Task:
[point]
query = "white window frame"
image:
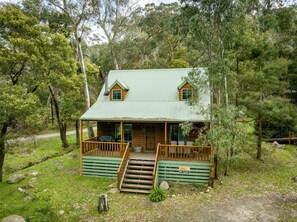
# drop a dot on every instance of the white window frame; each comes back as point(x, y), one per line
point(182, 94)
point(117, 91)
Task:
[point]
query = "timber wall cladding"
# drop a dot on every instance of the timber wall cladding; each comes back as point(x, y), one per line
point(100, 166)
point(139, 135)
point(185, 86)
point(170, 171)
point(116, 86)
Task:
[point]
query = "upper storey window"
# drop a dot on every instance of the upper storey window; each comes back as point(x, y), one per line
point(118, 91)
point(185, 91)
point(117, 94)
point(187, 94)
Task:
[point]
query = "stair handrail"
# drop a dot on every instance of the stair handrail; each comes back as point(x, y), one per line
point(156, 166)
point(123, 166)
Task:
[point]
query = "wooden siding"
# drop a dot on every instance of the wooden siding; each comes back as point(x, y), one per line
point(169, 171)
point(100, 166)
point(139, 134)
point(116, 86)
point(105, 129)
point(180, 91)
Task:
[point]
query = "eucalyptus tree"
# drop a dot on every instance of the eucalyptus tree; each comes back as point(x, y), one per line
point(113, 18)
point(79, 14)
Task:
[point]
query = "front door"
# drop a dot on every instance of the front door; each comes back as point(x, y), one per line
point(150, 137)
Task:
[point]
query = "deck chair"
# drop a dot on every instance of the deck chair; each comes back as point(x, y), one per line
point(187, 151)
point(172, 149)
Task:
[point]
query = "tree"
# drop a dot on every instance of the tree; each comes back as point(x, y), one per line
point(79, 13)
point(19, 36)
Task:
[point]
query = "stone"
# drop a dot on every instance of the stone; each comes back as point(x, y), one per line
point(56, 162)
point(60, 167)
point(274, 144)
point(27, 186)
point(173, 195)
point(33, 179)
point(15, 178)
point(294, 179)
point(164, 185)
point(21, 190)
point(72, 156)
point(27, 198)
point(13, 218)
point(61, 212)
point(34, 174)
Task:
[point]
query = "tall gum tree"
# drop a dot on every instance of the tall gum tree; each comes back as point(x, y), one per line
point(79, 13)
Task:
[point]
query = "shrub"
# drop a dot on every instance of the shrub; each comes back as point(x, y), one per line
point(157, 195)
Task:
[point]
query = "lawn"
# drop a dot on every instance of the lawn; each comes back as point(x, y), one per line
point(254, 191)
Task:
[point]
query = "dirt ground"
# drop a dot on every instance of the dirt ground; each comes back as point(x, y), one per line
point(271, 207)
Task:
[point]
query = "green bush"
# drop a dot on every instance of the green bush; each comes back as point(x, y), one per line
point(157, 195)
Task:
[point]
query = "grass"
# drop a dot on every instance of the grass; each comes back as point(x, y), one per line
point(19, 155)
point(59, 187)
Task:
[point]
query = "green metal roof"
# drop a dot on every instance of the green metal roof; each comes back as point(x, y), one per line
point(152, 97)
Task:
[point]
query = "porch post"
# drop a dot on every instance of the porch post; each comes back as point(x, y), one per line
point(166, 150)
point(121, 129)
point(81, 145)
point(98, 125)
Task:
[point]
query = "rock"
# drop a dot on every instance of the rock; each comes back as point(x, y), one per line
point(60, 167)
point(27, 198)
point(164, 185)
point(103, 203)
point(61, 212)
point(274, 144)
point(207, 190)
point(72, 156)
point(13, 218)
point(34, 174)
point(27, 186)
point(56, 162)
point(173, 195)
point(33, 179)
point(281, 146)
point(15, 178)
point(26, 152)
point(294, 179)
point(21, 190)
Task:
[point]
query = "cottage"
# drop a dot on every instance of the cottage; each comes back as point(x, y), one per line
point(139, 139)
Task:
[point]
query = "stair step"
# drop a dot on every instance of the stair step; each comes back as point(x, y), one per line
point(139, 176)
point(139, 172)
point(135, 191)
point(141, 162)
point(140, 167)
point(138, 181)
point(137, 186)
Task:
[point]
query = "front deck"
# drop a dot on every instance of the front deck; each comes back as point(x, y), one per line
point(183, 163)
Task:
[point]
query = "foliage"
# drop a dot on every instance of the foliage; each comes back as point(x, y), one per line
point(157, 195)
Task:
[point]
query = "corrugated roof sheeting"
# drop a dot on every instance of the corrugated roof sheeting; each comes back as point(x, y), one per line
point(153, 96)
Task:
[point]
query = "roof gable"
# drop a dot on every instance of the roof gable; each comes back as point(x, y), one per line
point(122, 85)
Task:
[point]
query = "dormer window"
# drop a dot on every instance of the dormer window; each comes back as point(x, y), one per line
point(185, 91)
point(117, 94)
point(187, 94)
point(118, 91)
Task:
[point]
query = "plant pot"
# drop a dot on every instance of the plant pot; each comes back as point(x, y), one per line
point(138, 149)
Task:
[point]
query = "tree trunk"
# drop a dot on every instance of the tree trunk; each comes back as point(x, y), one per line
point(83, 70)
point(216, 166)
point(2, 148)
point(77, 132)
point(62, 125)
point(227, 162)
point(259, 147)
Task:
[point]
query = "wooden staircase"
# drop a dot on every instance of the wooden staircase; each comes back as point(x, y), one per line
point(138, 176)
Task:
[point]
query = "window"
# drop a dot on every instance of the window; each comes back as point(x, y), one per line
point(116, 94)
point(127, 132)
point(186, 94)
